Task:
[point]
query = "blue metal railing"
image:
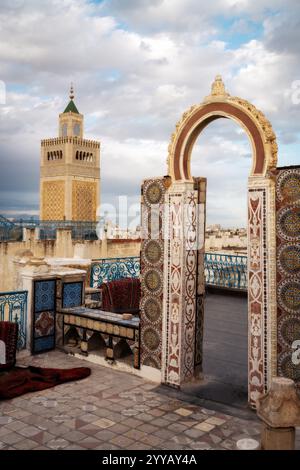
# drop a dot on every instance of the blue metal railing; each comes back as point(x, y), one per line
point(81, 230)
point(9, 230)
point(220, 270)
point(225, 270)
point(13, 307)
point(111, 269)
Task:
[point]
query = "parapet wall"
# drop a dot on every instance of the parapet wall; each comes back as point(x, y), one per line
point(62, 247)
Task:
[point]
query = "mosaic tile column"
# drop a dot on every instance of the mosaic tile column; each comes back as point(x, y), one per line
point(261, 286)
point(180, 284)
point(288, 271)
point(152, 270)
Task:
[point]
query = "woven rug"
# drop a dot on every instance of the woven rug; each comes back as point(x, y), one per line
point(121, 296)
point(19, 380)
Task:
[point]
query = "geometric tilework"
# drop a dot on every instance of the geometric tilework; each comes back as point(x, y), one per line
point(181, 285)
point(288, 270)
point(44, 316)
point(72, 294)
point(289, 259)
point(84, 200)
point(53, 200)
point(152, 250)
point(257, 293)
point(44, 324)
point(44, 295)
point(44, 344)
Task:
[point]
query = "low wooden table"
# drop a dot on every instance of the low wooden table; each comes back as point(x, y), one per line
point(108, 323)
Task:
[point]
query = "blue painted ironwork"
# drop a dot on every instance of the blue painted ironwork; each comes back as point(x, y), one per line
point(225, 270)
point(13, 230)
point(220, 270)
point(13, 307)
point(81, 230)
point(111, 269)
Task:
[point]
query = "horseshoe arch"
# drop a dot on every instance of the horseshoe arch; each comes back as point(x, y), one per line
point(181, 269)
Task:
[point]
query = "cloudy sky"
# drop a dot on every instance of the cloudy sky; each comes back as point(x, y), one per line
point(137, 65)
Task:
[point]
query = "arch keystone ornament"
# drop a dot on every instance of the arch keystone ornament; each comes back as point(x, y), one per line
point(219, 104)
point(181, 234)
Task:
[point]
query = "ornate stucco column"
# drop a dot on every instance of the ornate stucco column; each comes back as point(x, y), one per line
point(180, 286)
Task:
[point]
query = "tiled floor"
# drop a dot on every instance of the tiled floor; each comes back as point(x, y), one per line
point(113, 410)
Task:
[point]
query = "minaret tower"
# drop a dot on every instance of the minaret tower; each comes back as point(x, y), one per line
point(70, 171)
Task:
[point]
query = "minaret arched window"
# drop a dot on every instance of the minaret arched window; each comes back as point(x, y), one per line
point(76, 130)
point(64, 130)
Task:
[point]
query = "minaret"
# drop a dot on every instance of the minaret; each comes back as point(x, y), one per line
point(70, 171)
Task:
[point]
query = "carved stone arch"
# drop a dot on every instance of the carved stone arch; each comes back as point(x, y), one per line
point(221, 105)
point(179, 351)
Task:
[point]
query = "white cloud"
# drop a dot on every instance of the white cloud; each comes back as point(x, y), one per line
point(137, 66)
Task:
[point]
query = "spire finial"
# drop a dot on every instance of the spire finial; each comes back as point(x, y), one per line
point(218, 87)
point(72, 91)
point(218, 90)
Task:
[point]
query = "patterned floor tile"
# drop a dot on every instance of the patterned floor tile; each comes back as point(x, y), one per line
point(132, 415)
point(204, 426)
point(122, 441)
point(11, 438)
point(103, 423)
point(215, 421)
point(183, 412)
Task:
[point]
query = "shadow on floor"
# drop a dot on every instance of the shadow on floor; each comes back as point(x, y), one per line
point(225, 351)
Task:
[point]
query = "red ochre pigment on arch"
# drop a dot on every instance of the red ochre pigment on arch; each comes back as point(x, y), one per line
point(209, 108)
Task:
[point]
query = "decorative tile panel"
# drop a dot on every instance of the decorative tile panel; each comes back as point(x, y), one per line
point(256, 293)
point(152, 265)
point(288, 271)
point(44, 323)
point(44, 315)
point(53, 200)
point(72, 294)
point(44, 344)
point(262, 321)
point(84, 200)
point(180, 285)
point(44, 295)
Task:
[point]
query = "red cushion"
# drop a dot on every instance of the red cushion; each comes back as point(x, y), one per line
point(122, 296)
